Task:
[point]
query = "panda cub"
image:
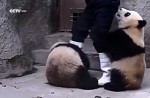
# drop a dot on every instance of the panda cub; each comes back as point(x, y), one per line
point(126, 50)
point(67, 66)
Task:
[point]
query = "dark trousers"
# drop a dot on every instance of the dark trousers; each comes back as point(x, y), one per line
point(96, 18)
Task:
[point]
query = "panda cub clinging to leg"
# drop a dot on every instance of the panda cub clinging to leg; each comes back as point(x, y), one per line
point(126, 50)
point(67, 66)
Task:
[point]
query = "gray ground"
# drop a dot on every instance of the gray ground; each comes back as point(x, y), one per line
point(34, 86)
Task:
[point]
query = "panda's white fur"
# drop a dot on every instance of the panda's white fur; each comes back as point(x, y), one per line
point(67, 66)
point(125, 48)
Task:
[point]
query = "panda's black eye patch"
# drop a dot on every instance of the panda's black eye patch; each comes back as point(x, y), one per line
point(127, 14)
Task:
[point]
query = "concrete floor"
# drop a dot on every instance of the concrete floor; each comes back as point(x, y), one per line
point(34, 86)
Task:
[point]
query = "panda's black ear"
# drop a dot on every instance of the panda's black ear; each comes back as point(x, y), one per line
point(141, 24)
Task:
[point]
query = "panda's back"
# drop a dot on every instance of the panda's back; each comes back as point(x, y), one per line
point(65, 55)
point(62, 64)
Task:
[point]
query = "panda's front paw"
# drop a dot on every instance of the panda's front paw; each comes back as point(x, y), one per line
point(112, 87)
point(108, 86)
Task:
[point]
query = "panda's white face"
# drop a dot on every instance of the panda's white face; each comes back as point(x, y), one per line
point(127, 18)
point(132, 24)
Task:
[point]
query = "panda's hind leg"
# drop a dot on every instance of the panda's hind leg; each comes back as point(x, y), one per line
point(84, 80)
point(117, 81)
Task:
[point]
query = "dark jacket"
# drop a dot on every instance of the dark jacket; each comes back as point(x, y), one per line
point(102, 3)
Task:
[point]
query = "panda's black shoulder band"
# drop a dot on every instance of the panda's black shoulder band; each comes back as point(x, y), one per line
point(82, 55)
point(68, 45)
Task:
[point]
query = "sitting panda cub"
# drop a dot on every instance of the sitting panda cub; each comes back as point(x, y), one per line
point(67, 66)
point(126, 50)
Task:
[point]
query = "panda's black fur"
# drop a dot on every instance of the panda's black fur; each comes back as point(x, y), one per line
point(119, 45)
point(74, 76)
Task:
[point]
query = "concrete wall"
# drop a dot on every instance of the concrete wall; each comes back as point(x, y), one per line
point(143, 7)
point(12, 58)
point(20, 33)
point(34, 24)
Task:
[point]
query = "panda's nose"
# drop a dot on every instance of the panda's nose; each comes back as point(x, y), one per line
point(120, 9)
